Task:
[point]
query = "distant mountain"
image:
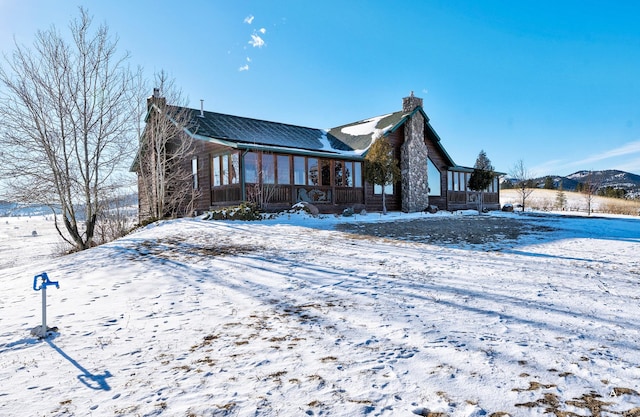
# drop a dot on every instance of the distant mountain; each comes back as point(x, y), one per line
point(128, 203)
point(607, 178)
point(8, 209)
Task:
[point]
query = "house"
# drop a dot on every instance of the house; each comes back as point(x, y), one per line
point(242, 159)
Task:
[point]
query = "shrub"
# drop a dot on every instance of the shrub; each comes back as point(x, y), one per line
point(245, 211)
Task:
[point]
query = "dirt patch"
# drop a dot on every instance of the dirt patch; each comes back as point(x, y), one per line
point(450, 230)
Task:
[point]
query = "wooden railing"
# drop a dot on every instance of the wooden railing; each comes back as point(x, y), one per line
point(349, 196)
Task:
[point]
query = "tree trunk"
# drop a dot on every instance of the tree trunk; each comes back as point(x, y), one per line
point(384, 202)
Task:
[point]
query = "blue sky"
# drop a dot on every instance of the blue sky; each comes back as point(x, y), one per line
point(554, 83)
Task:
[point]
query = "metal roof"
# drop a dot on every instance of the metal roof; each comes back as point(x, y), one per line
point(262, 133)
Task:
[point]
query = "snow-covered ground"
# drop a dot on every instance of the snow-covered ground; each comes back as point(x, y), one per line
point(288, 317)
point(25, 239)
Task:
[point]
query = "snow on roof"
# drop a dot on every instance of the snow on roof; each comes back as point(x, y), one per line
point(366, 127)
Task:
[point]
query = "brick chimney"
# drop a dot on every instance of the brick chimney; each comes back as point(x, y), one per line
point(157, 99)
point(413, 158)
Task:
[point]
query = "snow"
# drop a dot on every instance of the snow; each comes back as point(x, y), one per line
point(366, 127)
point(326, 145)
point(289, 317)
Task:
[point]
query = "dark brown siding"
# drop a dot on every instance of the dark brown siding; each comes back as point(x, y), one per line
point(440, 161)
point(143, 202)
point(203, 201)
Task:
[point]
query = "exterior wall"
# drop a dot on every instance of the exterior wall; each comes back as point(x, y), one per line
point(413, 159)
point(143, 202)
point(440, 161)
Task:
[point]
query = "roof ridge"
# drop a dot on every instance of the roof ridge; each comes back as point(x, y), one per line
point(247, 118)
point(365, 120)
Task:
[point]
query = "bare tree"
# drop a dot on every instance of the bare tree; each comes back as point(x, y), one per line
point(589, 189)
point(167, 184)
point(524, 181)
point(264, 190)
point(66, 124)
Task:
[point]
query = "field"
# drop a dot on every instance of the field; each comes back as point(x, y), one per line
point(546, 200)
point(370, 315)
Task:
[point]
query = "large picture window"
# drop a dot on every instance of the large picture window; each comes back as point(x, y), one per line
point(225, 170)
point(215, 164)
point(357, 174)
point(325, 170)
point(313, 174)
point(388, 189)
point(433, 178)
point(284, 176)
point(251, 167)
point(235, 168)
point(194, 172)
point(268, 169)
point(299, 171)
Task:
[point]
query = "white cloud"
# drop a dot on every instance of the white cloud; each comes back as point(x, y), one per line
point(628, 149)
point(626, 161)
point(249, 19)
point(256, 41)
point(632, 166)
point(262, 30)
point(245, 67)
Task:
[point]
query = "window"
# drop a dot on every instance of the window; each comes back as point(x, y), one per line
point(225, 170)
point(388, 189)
point(450, 181)
point(357, 174)
point(347, 175)
point(312, 172)
point(283, 169)
point(433, 178)
point(343, 174)
point(268, 169)
point(299, 171)
point(337, 175)
point(325, 169)
point(215, 164)
point(194, 172)
point(456, 181)
point(235, 168)
point(251, 167)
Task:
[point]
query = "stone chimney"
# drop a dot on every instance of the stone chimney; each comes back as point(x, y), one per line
point(413, 159)
point(410, 103)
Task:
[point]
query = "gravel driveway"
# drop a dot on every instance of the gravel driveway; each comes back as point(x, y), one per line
point(450, 230)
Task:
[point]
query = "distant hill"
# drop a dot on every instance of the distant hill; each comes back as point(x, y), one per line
point(606, 178)
point(127, 202)
point(9, 209)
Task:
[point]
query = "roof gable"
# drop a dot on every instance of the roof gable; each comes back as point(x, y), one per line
point(360, 135)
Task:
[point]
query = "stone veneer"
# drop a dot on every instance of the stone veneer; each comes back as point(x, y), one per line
point(413, 159)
